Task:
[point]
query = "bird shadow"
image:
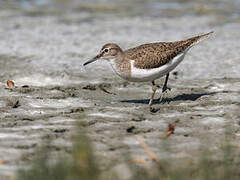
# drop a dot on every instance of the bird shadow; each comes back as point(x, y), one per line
point(182, 97)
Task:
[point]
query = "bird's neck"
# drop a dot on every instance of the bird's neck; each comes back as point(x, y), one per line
point(121, 65)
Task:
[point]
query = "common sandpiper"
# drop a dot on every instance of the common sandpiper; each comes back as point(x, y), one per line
point(147, 62)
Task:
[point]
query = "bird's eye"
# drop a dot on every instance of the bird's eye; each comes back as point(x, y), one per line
point(105, 50)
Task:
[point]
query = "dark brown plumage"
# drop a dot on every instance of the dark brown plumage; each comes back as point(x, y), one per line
point(154, 55)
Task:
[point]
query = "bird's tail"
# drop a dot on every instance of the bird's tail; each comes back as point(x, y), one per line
point(197, 39)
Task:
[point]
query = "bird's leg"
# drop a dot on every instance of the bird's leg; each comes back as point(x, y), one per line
point(154, 88)
point(165, 88)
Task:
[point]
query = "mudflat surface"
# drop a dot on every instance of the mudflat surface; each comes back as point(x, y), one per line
point(46, 50)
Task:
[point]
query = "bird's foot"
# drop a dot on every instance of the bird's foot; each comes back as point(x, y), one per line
point(164, 91)
point(153, 110)
point(165, 88)
point(150, 103)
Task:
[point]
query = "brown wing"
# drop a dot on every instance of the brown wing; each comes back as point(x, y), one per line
point(154, 55)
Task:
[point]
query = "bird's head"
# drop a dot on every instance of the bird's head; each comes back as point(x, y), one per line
point(108, 51)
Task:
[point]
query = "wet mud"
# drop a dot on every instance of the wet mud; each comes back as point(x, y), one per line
point(43, 55)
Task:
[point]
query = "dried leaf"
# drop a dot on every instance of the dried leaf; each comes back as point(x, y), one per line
point(1, 161)
point(10, 83)
point(170, 130)
point(140, 160)
point(237, 134)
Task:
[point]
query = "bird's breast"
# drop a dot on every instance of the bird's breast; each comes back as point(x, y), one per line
point(121, 68)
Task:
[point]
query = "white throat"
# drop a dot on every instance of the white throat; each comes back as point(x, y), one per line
point(111, 59)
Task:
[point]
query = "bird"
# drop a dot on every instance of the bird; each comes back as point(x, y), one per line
point(147, 62)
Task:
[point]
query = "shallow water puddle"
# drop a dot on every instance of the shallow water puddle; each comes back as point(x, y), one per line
point(11, 135)
point(107, 115)
point(213, 121)
point(57, 120)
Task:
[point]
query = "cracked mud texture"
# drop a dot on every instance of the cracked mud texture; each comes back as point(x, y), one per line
point(46, 50)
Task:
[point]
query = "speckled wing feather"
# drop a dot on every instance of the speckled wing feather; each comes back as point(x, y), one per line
point(154, 55)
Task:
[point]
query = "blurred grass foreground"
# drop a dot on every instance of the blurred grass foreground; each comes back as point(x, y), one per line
point(82, 165)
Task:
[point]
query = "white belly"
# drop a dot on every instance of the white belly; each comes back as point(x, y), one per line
point(141, 75)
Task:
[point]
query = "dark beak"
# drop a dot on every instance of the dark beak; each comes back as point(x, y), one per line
point(93, 59)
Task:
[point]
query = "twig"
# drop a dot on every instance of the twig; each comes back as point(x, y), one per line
point(104, 90)
point(151, 154)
